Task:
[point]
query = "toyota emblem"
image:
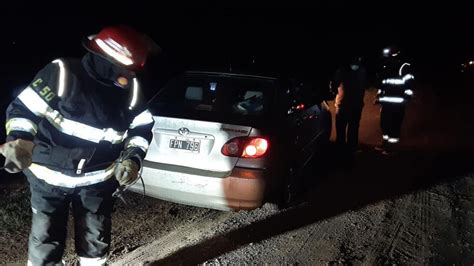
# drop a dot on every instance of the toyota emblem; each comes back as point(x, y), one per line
point(183, 131)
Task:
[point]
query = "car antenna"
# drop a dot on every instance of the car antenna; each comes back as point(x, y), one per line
point(229, 60)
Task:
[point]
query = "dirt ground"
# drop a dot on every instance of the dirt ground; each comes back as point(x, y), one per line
point(413, 207)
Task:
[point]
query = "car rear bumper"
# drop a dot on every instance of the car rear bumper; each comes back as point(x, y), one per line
point(242, 189)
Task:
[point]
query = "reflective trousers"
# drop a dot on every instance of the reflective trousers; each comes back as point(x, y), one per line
point(391, 118)
point(91, 208)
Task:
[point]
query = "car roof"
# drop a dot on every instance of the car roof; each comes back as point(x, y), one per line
point(229, 74)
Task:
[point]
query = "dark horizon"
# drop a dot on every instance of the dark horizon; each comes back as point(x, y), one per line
point(306, 42)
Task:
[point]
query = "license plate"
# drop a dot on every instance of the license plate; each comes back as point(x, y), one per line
point(186, 145)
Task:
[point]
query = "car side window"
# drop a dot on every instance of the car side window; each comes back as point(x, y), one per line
point(291, 98)
point(310, 94)
point(304, 95)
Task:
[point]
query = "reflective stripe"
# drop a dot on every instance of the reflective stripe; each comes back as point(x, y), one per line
point(398, 81)
point(80, 165)
point(40, 108)
point(393, 81)
point(115, 50)
point(409, 92)
point(29, 263)
point(144, 118)
point(385, 137)
point(135, 94)
point(379, 91)
point(62, 76)
point(33, 102)
point(137, 142)
point(21, 124)
point(400, 71)
point(393, 140)
point(391, 99)
point(92, 261)
point(58, 179)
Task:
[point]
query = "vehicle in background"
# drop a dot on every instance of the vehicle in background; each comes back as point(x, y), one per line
point(467, 66)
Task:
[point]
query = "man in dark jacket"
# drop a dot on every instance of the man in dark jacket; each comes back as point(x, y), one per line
point(68, 130)
point(351, 82)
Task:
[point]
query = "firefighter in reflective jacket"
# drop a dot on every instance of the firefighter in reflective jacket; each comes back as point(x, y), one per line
point(395, 90)
point(66, 131)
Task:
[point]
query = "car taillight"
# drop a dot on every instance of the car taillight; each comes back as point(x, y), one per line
point(255, 148)
point(245, 147)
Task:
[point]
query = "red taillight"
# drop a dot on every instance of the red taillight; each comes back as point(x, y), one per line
point(245, 147)
point(300, 106)
point(233, 148)
point(255, 148)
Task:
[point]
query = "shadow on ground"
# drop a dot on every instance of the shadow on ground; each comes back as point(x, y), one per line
point(373, 178)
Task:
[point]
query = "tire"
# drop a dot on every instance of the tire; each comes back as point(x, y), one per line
point(281, 195)
point(292, 191)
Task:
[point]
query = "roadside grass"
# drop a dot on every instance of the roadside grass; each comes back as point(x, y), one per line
point(15, 214)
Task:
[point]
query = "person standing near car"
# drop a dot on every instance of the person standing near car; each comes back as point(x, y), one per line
point(351, 82)
point(79, 131)
point(395, 91)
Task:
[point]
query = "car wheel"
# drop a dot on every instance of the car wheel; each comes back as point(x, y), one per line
point(271, 206)
point(282, 195)
point(293, 187)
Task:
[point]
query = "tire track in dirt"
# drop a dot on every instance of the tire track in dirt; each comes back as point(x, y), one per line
point(388, 234)
point(411, 244)
point(454, 241)
point(284, 248)
point(424, 222)
point(405, 235)
point(399, 231)
point(360, 233)
point(333, 241)
point(318, 234)
point(292, 245)
point(414, 244)
point(178, 238)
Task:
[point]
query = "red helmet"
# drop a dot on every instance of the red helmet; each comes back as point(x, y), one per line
point(121, 45)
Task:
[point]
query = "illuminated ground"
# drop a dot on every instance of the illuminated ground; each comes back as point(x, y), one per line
point(414, 207)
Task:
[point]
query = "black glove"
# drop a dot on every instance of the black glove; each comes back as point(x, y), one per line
point(126, 172)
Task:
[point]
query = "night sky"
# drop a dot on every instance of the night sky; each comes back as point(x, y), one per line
point(303, 42)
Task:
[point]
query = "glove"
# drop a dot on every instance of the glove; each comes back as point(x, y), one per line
point(126, 172)
point(18, 155)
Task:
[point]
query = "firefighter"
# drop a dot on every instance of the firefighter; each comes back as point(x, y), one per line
point(395, 91)
point(79, 131)
point(351, 82)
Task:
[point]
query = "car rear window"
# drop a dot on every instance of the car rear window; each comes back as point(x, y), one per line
point(215, 97)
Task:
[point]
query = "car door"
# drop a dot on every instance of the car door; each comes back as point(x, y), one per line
point(309, 119)
point(295, 115)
